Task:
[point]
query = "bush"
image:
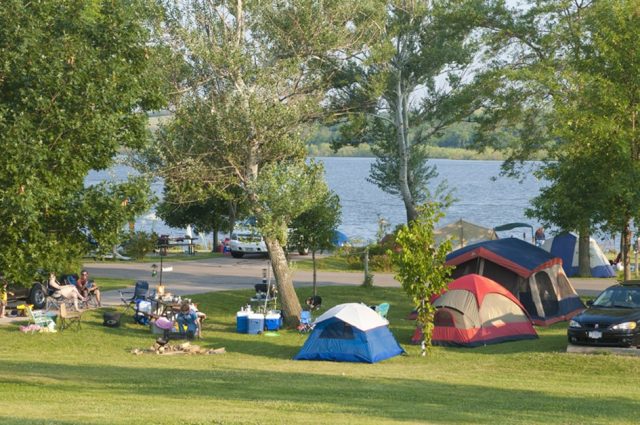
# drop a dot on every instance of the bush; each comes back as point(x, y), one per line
point(380, 263)
point(140, 244)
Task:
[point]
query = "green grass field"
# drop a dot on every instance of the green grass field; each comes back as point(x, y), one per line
point(90, 376)
point(108, 284)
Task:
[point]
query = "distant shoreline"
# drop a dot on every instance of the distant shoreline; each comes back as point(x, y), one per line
point(364, 151)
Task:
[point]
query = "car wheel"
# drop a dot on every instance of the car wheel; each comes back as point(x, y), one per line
point(236, 254)
point(37, 296)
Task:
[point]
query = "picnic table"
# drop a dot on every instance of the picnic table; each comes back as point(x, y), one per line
point(166, 241)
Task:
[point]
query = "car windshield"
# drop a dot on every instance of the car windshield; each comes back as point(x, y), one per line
point(246, 237)
point(619, 297)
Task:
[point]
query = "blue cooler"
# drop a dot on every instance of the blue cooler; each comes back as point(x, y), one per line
point(272, 321)
point(256, 323)
point(242, 322)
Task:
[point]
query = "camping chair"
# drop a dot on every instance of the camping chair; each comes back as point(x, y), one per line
point(69, 318)
point(264, 292)
point(314, 302)
point(383, 309)
point(306, 321)
point(55, 298)
point(39, 317)
point(139, 293)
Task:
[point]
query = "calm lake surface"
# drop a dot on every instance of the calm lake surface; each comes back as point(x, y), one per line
point(483, 197)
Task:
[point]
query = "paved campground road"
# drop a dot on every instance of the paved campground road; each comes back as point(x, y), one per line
point(217, 274)
point(227, 273)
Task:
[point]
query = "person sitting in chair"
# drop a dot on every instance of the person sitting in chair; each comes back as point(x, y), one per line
point(88, 287)
point(66, 291)
point(187, 318)
point(314, 302)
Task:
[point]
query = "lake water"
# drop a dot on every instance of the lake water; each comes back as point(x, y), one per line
point(483, 197)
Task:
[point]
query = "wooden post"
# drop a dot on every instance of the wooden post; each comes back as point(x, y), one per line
point(635, 268)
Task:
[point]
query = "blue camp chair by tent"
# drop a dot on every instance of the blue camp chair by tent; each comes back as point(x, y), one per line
point(383, 309)
point(132, 298)
point(306, 321)
point(350, 333)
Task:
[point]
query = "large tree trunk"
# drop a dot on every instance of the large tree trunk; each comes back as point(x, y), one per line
point(215, 238)
point(584, 258)
point(403, 151)
point(625, 247)
point(284, 280)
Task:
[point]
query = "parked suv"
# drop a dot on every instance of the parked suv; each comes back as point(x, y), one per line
point(35, 294)
point(246, 242)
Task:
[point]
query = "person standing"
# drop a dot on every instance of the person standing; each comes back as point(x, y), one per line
point(540, 237)
point(4, 296)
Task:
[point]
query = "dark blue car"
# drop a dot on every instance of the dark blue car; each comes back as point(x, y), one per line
point(611, 319)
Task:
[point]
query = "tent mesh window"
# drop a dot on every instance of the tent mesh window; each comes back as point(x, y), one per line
point(468, 267)
point(443, 318)
point(501, 275)
point(548, 296)
point(338, 330)
point(564, 286)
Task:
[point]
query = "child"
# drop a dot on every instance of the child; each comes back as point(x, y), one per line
point(187, 319)
point(3, 297)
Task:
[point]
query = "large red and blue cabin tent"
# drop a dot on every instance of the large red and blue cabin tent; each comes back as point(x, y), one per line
point(531, 274)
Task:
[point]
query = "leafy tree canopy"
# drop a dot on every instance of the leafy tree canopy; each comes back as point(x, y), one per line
point(75, 78)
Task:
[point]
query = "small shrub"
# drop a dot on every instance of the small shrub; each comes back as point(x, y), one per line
point(140, 244)
point(380, 263)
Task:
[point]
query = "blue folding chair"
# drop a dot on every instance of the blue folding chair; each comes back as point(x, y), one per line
point(132, 298)
point(306, 321)
point(383, 309)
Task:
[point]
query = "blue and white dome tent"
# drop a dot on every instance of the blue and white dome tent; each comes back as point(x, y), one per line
point(565, 246)
point(350, 332)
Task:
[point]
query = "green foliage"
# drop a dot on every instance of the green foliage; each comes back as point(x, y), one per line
point(314, 229)
point(420, 264)
point(140, 244)
point(109, 206)
point(75, 79)
point(421, 43)
point(253, 77)
point(210, 212)
point(286, 191)
point(571, 95)
point(381, 263)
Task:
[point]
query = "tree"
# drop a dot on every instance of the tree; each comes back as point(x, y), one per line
point(315, 228)
point(578, 60)
point(253, 77)
point(75, 79)
point(209, 214)
point(420, 264)
point(109, 206)
point(413, 83)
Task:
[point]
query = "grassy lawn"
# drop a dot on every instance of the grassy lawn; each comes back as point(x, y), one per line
point(109, 284)
point(331, 263)
point(90, 377)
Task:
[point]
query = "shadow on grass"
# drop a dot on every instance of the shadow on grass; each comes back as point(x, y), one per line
point(398, 398)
